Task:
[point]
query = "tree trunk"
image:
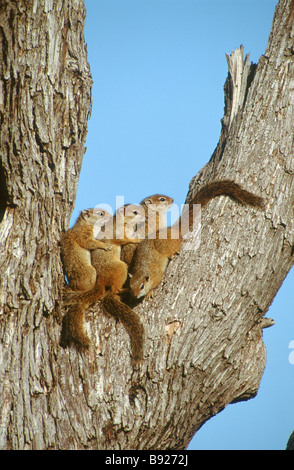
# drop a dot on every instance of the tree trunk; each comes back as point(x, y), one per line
point(290, 443)
point(203, 328)
point(45, 98)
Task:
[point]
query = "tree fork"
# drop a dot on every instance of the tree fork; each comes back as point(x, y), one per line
point(203, 327)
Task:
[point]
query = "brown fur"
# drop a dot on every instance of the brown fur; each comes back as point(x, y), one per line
point(152, 256)
point(76, 246)
point(154, 208)
point(111, 274)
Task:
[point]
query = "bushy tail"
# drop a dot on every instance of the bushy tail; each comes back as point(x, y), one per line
point(227, 188)
point(222, 188)
point(78, 302)
point(131, 321)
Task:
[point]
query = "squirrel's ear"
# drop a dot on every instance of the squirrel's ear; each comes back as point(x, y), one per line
point(147, 277)
point(148, 202)
point(121, 210)
point(86, 213)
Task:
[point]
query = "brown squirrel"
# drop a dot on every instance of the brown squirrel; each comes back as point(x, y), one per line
point(76, 246)
point(154, 209)
point(111, 273)
point(152, 255)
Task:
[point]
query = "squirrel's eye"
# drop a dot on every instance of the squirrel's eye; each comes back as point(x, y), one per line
point(136, 212)
point(162, 199)
point(142, 286)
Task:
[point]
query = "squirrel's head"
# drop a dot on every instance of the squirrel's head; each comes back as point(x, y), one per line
point(94, 216)
point(140, 285)
point(131, 214)
point(157, 202)
point(130, 221)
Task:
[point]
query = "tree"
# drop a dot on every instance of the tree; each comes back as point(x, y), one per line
point(203, 328)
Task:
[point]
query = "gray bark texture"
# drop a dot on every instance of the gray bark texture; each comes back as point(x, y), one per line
point(290, 443)
point(203, 328)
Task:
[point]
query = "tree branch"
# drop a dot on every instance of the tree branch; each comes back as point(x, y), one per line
point(203, 328)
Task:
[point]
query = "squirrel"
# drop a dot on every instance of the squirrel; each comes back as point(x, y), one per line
point(76, 246)
point(154, 209)
point(152, 255)
point(111, 273)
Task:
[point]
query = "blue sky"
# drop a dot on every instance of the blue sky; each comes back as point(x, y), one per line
point(159, 68)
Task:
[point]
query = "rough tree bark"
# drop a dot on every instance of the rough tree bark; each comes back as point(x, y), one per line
point(203, 328)
point(45, 98)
